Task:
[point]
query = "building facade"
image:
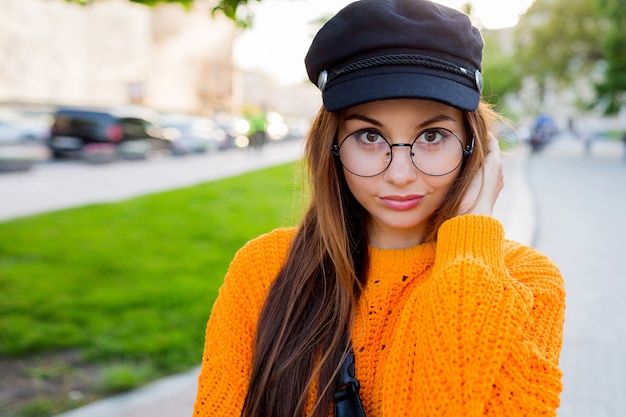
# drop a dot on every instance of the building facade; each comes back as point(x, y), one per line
point(115, 52)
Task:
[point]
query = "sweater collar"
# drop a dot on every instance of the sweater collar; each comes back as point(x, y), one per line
point(388, 266)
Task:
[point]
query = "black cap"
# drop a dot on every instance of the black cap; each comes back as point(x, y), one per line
point(383, 49)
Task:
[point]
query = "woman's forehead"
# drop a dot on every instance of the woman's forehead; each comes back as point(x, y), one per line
point(415, 110)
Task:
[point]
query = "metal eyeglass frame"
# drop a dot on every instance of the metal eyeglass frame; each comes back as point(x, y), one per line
point(467, 151)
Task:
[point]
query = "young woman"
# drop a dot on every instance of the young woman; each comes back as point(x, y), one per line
point(397, 295)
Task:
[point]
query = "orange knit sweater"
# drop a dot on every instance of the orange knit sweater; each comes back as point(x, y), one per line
point(468, 326)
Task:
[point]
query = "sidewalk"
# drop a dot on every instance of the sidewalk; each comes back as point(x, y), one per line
point(174, 396)
point(515, 207)
point(59, 185)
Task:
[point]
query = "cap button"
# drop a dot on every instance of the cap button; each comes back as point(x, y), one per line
point(479, 81)
point(322, 80)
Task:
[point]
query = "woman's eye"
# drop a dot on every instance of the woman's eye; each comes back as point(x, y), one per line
point(369, 136)
point(433, 135)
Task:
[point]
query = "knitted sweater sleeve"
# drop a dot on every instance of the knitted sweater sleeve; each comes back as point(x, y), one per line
point(482, 335)
point(226, 362)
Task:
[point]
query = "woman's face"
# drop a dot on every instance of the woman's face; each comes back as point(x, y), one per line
point(401, 198)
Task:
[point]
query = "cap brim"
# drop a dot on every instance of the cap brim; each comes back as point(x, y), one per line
point(351, 91)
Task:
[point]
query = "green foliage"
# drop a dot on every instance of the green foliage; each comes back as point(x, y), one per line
point(126, 376)
point(561, 39)
point(133, 282)
point(235, 10)
point(565, 40)
point(612, 89)
point(38, 408)
point(45, 407)
point(501, 72)
point(151, 3)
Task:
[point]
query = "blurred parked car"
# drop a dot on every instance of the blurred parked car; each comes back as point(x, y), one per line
point(236, 131)
point(126, 131)
point(12, 131)
point(192, 134)
point(21, 145)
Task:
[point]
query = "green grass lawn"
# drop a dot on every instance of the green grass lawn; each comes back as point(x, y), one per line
point(134, 282)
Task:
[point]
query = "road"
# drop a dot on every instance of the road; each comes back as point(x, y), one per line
point(581, 206)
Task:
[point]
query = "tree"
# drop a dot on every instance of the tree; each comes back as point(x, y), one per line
point(565, 40)
point(230, 8)
point(185, 3)
point(560, 40)
point(611, 90)
point(501, 72)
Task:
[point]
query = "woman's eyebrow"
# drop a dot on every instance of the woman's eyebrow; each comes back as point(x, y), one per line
point(428, 122)
point(436, 119)
point(363, 118)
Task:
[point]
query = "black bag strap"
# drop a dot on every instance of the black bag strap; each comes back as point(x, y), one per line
point(347, 400)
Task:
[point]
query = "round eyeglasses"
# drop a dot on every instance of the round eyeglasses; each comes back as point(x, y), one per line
point(435, 151)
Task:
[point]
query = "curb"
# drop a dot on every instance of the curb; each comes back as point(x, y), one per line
point(172, 396)
point(523, 209)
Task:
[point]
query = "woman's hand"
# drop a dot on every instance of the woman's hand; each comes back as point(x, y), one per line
point(475, 201)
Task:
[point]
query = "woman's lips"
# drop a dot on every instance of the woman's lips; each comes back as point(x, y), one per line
point(401, 203)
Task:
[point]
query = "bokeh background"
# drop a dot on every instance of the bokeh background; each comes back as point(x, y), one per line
point(114, 242)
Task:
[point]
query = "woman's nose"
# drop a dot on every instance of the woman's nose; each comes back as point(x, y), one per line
point(401, 170)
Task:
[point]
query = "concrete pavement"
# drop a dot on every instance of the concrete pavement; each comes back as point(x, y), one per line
point(581, 199)
point(59, 185)
point(38, 191)
point(515, 207)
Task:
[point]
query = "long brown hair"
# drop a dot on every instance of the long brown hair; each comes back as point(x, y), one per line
point(308, 313)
